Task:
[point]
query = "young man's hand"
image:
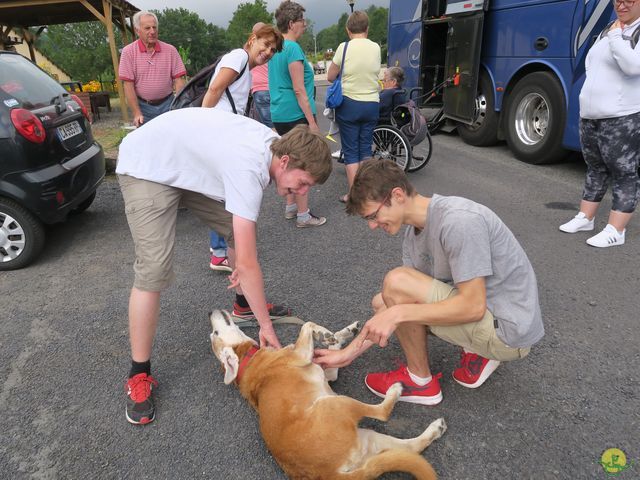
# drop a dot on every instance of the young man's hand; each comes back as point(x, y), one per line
point(268, 337)
point(378, 328)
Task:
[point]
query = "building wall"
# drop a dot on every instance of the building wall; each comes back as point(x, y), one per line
point(42, 61)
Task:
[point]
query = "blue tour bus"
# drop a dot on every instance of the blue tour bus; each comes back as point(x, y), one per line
point(515, 67)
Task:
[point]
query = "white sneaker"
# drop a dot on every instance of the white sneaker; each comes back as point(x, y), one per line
point(608, 237)
point(579, 223)
point(336, 154)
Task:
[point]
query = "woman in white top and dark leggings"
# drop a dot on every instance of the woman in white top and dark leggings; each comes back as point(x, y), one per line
point(610, 127)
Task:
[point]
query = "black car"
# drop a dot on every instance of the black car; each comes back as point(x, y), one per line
point(50, 165)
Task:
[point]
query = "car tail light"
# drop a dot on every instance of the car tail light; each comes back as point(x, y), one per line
point(28, 125)
point(85, 112)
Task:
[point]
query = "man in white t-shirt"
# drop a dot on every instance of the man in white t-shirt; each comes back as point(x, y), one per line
point(465, 279)
point(217, 164)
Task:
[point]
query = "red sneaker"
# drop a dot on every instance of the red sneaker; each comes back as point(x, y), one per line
point(220, 264)
point(275, 311)
point(474, 369)
point(429, 394)
point(140, 407)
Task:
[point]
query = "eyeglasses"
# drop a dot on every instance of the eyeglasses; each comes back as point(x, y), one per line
point(304, 22)
point(626, 3)
point(373, 217)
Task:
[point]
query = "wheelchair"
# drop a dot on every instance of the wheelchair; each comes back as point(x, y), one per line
point(394, 138)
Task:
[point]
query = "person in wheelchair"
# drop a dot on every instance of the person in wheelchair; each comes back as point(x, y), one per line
point(392, 93)
point(400, 126)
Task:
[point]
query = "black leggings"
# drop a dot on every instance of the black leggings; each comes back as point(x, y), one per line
point(611, 149)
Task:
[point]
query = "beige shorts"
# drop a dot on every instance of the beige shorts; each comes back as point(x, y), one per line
point(476, 337)
point(152, 210)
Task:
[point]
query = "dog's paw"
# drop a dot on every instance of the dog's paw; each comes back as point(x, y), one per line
point(437, 428)
point(328, 339)
point(395, 391)
point(347, 333)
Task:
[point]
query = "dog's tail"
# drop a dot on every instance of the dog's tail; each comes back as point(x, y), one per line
point(394, 461)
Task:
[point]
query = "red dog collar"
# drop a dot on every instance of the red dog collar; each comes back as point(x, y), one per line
point(245, 360)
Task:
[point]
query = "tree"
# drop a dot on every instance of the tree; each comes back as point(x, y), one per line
point(378, 19)
point(196, 39)
point(332, 36)
point(306, 40)
point(243, 20)
point(80, 49)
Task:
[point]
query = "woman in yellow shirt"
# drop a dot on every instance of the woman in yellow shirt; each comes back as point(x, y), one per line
point(358, 114)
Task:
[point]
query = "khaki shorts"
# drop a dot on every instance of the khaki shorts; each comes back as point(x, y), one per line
point(475, 337)
point(152, 210)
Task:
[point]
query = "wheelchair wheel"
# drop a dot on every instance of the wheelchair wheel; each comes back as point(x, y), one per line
point(389, 143)
point(418, 162)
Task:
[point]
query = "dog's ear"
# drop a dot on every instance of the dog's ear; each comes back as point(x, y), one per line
point(230, 362)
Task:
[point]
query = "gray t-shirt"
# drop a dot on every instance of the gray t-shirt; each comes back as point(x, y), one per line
point(464, 240)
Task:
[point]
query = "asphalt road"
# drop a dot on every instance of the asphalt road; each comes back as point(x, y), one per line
point(64, 345)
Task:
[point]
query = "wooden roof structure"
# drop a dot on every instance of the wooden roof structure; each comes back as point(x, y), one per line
point(20, 14)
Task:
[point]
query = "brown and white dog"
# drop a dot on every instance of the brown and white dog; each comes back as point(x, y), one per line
point(311, 431)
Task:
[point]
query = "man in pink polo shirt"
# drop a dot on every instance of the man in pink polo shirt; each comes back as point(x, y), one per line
point(150, 70)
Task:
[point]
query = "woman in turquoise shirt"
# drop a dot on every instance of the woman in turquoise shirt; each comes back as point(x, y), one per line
point(292, 101)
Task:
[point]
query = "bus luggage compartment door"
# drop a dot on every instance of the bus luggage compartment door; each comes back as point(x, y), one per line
point(462, 66)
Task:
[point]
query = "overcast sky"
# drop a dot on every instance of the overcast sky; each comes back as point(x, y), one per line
point(323, 13)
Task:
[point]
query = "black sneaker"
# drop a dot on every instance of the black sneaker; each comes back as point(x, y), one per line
point(275, 311)
point(140, 407)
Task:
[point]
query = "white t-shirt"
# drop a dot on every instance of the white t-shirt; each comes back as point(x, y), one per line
point(239, 90)
point(206, 150)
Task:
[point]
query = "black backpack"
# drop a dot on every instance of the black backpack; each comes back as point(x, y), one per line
point(632, 39)
point(193, 92)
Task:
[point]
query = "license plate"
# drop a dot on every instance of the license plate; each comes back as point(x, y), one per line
point(69, 130)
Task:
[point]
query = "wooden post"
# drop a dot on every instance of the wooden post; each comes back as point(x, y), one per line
point(125, 34)
point(4, 35)
point(29, 38)
point(106, 5)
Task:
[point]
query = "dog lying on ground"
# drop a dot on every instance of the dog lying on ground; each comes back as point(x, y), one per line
point(311, 431)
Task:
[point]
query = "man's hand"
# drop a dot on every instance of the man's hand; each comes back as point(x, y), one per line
point(332, 358)
point(234, 280)
point(378, 328)
point(268, 336)
point(138, 120)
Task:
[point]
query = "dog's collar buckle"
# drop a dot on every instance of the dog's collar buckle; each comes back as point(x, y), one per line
point(245, 360)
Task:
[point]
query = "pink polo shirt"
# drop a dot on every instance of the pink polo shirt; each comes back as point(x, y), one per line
point(260, 78)
point(152, 73)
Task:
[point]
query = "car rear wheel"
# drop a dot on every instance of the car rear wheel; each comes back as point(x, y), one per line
point(21, 236)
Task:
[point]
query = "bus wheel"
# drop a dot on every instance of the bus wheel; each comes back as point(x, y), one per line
point(536, 117)
point(483, 132)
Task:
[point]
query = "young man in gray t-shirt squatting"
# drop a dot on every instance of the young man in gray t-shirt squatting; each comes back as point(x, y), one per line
point(465, 278)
